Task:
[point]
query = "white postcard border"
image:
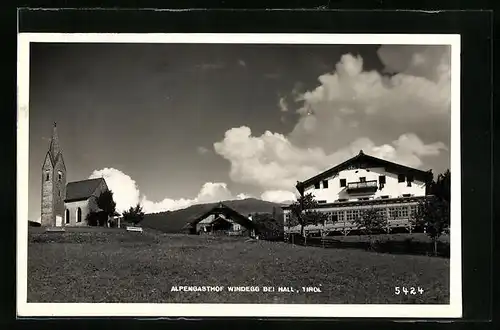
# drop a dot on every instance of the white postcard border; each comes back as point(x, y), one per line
point(25, 309)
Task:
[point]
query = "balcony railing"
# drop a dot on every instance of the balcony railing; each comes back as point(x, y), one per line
point(362, 185)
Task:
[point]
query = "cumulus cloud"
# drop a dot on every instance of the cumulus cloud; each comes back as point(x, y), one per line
point(125, 190)
point(283, 105)
point(350, 102)
point(126, 193)
point(202, 150)
point(278, 196)
point(402, 117)
point(272, 162)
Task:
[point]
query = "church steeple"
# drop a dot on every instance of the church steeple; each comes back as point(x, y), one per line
point(53, 184)
point(55, 147)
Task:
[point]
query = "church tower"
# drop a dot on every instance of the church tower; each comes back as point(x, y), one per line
point(53, 184)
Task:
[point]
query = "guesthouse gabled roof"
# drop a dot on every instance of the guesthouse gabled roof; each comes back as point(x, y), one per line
point(363, 160)
point(228, 212)
point(81, 190)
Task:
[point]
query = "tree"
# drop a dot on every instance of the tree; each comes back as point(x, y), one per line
point(441, 187)
point(371, 221)
point(106, 203)
point(433, 213)
point(92, 219)
point(303, 213)
point(268, 227)
point(134, 214)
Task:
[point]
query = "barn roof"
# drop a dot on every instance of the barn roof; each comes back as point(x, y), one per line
point(362, 160)
point(81, 190)
point(228, 212)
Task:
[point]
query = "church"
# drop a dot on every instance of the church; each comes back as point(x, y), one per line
point(66, 204)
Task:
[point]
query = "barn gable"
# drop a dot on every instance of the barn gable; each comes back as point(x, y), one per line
point(222, 211)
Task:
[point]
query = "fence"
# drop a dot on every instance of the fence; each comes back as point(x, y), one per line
point(409, 245)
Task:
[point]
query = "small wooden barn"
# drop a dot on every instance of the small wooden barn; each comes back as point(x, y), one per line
point(221, 220)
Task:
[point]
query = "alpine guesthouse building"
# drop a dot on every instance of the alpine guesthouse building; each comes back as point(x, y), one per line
point(359, 183)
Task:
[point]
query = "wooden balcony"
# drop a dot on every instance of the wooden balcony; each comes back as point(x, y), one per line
point(362, 186)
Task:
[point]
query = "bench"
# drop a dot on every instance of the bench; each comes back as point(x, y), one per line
point(136, 229)
point(55, 229)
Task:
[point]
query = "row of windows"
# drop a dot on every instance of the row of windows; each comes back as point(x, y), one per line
point(381, 181)
point(398, 212)
point(78, 215)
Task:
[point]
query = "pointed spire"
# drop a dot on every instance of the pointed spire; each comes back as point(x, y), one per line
point(54, 148)
point(361, 152)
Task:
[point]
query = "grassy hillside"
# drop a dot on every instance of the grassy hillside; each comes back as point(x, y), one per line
point(115, 266)
point(173, 221)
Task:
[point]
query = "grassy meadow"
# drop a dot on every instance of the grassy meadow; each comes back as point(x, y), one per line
point(117, 266)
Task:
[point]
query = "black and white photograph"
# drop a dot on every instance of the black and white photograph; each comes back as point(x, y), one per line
point(276, 174)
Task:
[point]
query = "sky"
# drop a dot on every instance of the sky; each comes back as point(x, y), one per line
point(171, 125)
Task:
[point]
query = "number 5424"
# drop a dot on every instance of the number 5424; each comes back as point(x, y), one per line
point(408, 290)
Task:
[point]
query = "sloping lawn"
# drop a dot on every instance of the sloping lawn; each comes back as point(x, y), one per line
point(118, 266)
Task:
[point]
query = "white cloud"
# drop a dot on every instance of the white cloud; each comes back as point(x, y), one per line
point(125, 190)
point(278, 196)
point(415, 99)
point(202, 150)
point(402, 118)
point(243, 196)
point(283, 105)
point(126, 193)
point(272, 162)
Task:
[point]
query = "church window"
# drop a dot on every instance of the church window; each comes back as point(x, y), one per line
point(362, 179)
point(381, 179)
point(47, 176)
point(401, 178)
point(59, 175)
point(316, 185)
point(342, 182)
point(67, 215)
point(79, 215)
point(325, 184)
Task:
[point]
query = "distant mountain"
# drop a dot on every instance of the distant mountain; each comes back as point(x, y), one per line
point(173, 221)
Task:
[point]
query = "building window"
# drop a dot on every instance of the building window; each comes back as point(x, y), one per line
point(398, 212)
point(47, 176)
point(364, 199)
point(409, 180)
point(362, 179)
point(67, 216)
point(79, 215)
point(343, 182)
point(340, 216)
point(401, 178)
point(325, 184)
point(381, 179)
point(316, 185)
point(384, 197)
point(59, 175)
point(342, 200)
point(322, 202)
point(352, 215)
point(406, 195)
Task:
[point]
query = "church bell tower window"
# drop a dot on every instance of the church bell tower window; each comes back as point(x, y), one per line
point(47, 176)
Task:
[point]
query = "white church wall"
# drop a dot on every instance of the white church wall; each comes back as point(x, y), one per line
point(73, 211)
